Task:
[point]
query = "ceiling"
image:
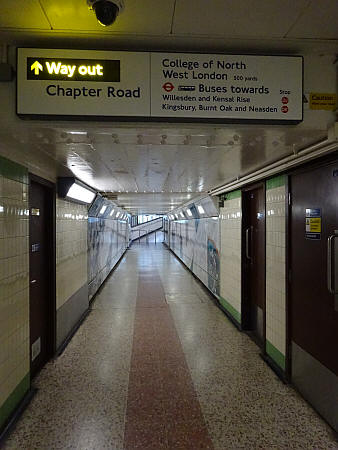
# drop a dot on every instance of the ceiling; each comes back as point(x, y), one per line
point(157, 167)
point(217, 24)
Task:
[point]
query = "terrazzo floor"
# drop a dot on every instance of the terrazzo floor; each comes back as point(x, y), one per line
point(156, 365)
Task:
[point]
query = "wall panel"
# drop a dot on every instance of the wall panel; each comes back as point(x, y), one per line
point(108, 239)
point(14, 286)
point(275, 269)
point(196, 243)
point(71, 266)
point(231, 241)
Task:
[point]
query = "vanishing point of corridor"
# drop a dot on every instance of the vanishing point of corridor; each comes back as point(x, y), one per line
point(156, 365)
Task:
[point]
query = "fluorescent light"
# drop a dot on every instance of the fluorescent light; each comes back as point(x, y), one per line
point(112, 212)
point(77, 132)
point(176, 215)
point(80, 193)
point(117, 214)
point(103, 209)
point(189, 212)
point(200, 209)
point(182, 215)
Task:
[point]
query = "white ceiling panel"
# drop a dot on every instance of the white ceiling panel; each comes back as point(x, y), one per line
point(240, 18)
point(214, 26)
point(153, 203)
point(156, 176)
point(146, 16)
point(22, 14)
point(319, 21)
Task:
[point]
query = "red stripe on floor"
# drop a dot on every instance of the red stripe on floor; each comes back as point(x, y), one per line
point(163, 411)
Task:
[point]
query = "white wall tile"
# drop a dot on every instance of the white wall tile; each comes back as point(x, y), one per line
point(71, 249)
point(230, 266)
point(275, 268)
point(14, 285)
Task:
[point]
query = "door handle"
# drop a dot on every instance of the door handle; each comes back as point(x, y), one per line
point(247, 253)
point(330, 244)
point(33, 281)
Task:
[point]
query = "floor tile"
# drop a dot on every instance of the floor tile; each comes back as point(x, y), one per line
point(156, 365)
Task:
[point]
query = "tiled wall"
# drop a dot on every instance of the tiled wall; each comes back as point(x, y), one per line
point(231, 229)
point(14, 287)
point(196, 243)
point(107, 241)
point(71, 267)
point(275, 269)
point(71, 249)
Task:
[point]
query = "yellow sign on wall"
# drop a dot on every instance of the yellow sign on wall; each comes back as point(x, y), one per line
point(314, 224)
point(323, 101)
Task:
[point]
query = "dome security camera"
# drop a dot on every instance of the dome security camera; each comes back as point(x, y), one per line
point(106, 11)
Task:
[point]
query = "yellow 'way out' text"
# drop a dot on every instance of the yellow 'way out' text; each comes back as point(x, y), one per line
point(63, 69)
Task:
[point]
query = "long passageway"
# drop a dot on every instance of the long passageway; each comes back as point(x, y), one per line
point(157, 365)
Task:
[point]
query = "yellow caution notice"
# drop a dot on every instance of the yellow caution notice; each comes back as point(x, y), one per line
point(313, 225)
point(323, 101)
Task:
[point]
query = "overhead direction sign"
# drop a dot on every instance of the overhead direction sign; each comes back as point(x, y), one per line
point(234, 87)
point(159, 86)
point(82, 83)
point(67, 69)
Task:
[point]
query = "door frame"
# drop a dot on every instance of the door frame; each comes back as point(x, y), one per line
point(244, 283)
point(311, 165)
point(51, 223)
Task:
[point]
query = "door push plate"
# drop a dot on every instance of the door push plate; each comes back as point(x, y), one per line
point(35, 248)
point(35, 212)
point(36, 348)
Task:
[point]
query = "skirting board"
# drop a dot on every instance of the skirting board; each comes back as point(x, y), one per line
point(70, 314)
point(317, 384)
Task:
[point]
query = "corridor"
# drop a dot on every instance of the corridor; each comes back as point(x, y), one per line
point(157, 365)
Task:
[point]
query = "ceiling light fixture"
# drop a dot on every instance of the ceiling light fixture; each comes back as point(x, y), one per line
point(72, 189)
point(200, 209)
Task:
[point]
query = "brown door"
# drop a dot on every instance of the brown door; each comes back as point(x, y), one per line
point(313, 263)
point(254, 262)
point(40, 259)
